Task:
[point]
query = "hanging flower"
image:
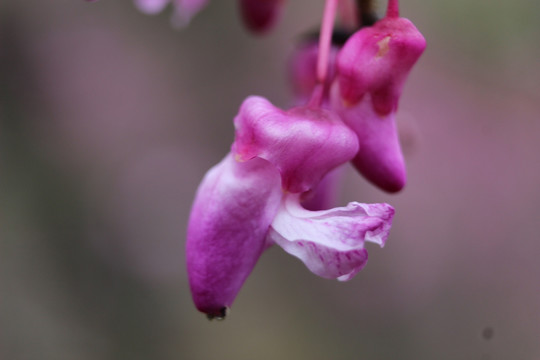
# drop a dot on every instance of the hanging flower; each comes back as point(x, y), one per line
point(372, 68)
point(251, 200)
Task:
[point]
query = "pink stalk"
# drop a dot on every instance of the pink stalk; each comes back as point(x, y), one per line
point(348, 14)
point(325, 39)
point(393, 9)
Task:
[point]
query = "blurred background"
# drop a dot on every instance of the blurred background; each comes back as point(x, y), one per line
point(109, 119)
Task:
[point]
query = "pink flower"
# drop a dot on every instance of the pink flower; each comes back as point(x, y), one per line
point(252, 200)
point(372, 68)
point(366, 76)
point(184, 10)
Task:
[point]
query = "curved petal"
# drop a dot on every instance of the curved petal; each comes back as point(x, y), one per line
point(260, 15)
point(304, 143)
point(232, 212)
point(377, 60)
point(331, 242)
point(372, 68)
point(380, 158)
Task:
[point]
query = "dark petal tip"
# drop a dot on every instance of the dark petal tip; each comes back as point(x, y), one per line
point(220, 315)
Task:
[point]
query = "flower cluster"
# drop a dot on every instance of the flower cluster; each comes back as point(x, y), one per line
point(255, 196)
point(282, 162)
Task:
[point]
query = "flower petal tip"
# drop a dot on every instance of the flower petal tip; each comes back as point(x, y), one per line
point(219, 315)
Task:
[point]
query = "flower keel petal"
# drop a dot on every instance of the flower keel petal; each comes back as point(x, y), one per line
point(233, 209)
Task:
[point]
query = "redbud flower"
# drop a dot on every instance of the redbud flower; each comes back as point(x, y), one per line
point(372, 68)
point(252, 200)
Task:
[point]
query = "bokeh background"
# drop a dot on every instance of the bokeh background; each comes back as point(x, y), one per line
point(109, 119)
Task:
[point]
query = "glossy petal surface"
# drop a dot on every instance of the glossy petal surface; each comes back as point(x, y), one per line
point(380, 158)
point(233, 208)
point(377, 60)
point(303, 143)
point(331, 242)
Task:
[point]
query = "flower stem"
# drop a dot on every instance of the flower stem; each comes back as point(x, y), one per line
point(349, 14)
point(325, 39)
point(393, 8)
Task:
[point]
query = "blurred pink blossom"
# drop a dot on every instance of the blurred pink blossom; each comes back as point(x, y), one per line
point(184, 10)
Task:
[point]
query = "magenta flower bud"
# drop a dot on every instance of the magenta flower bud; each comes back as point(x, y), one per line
point(260, 15)
point(304, 143)
point(372, 68)
point(233, 209)
point(377, 60)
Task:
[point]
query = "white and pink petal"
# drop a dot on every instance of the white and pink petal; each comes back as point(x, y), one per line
point(377, 60)
point(330, 242)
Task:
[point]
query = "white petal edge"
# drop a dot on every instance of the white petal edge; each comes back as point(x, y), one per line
point(330, 242)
